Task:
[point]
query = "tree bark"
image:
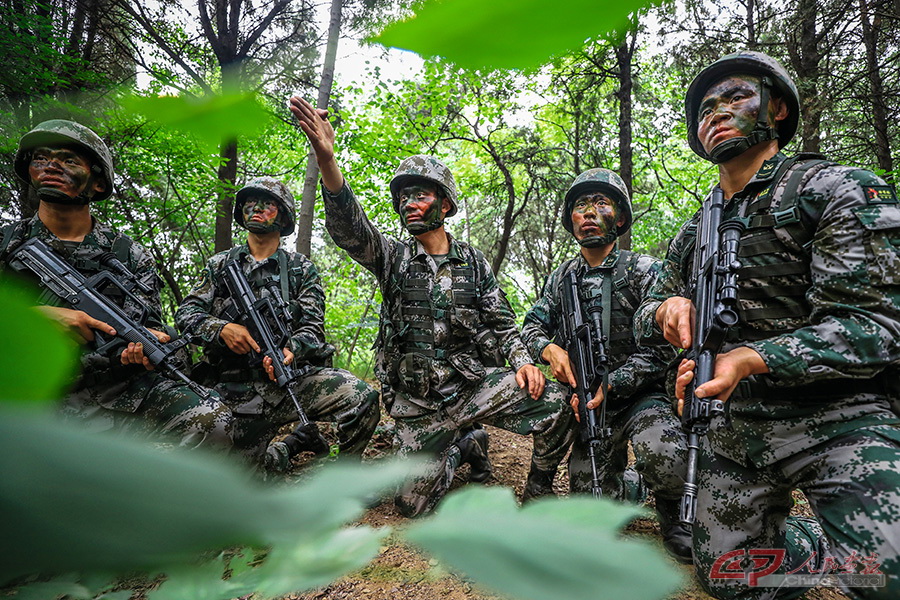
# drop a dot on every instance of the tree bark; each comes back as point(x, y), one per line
point(807, 66)
point(876, 87)
point(308, 198)
point(227, 174)
point(624, 57)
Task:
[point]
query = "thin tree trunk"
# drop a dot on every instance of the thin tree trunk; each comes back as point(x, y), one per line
point(876, 88)
point(308, 198)
point(807, 66)
point(624, 56)
point(751, 26)
point(227, 175)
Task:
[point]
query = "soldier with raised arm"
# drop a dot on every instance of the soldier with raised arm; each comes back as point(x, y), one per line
point(446, 328)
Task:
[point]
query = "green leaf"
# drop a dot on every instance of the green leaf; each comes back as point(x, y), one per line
point(37, 358)
point(507, 34)
point(47, 590)
point(541, 553)
point(79, 501)
point(212, 120)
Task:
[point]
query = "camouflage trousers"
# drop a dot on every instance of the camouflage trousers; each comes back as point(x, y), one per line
point(260, 408)
point(496, 400)
point(852, 482)
point(163, 407)
point(659, 444)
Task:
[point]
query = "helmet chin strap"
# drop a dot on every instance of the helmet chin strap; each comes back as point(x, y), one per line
point(762, 132)
point(418, 227)
point(595, 241)
point(50, 194)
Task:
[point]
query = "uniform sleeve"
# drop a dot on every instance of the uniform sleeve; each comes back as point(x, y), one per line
point(351, 230)
point(307, 308)
point(648, 365)
point(542, 322)
point(498, 316)
point(194, 317)
point(670, 281)
point(854, 328)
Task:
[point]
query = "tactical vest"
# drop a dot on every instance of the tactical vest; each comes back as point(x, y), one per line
point(623, 304)
point(774, 252)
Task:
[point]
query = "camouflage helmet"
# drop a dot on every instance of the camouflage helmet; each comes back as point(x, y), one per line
point(421, 166)
point(773, 76)
point(599, 180)
point(268, 186)
point(60, 131)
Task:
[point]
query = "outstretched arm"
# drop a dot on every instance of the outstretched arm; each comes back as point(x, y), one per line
point(314, 123)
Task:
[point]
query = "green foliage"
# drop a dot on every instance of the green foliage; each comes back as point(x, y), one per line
point(37, 360)
point(550, 549)
point(510, 34)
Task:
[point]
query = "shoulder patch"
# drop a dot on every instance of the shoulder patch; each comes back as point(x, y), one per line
point(880, 194)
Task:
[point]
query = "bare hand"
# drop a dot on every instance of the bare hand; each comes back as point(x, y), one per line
point(731, 368)
point(133, 354)
point(270, 368)
point(560, 367)
point(79, 322)
point(675, 317)
point(314, 123)
point(531, 376)
point(594, 403)
point(238, 339)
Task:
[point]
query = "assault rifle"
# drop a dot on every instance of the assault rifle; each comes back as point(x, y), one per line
point(63, 281)
point(715, 297)
point(265, 320)
point(586, 346)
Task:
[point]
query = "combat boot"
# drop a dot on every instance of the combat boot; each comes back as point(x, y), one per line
point(539, 483)
point(473, 449)
point(676, 536)
point(278, 457)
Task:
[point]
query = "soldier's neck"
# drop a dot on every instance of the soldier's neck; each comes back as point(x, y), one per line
point(737, 172)
point(263, 245)
point(596, 256)
point(435, 241)
point(69, 223)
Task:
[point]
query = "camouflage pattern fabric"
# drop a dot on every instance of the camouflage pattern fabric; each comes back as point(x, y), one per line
point(638, 410)
point(108, 394)
point(260, 407)
point(454, 399)
point(821, 420)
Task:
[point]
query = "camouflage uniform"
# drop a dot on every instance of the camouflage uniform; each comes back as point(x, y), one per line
point(109, 394)
point(637, 408)
point(441, 317)
point(820, 302)
point(260, 407)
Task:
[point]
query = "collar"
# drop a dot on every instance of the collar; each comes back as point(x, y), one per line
point(455, 254)
point(609, 262)
point(764, 175)
point(100, 235)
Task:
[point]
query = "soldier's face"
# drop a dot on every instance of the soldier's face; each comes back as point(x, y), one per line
point(260, 213)
point(64, 169)
point(595, 214)
point(729, 109)
point(420, 204)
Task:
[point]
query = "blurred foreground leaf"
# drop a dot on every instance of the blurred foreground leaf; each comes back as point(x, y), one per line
point(37, 358)
point(211, 120)
point(74, 501)
point(551, 549)
point(506, 34)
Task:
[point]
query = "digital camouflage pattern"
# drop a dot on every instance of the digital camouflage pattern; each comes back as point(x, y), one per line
point(825, 317)
point(460, 392)
point(268, 186)
point(744, 62)
point(59, 131)
point(602, 180)
point(108, 394)
point(260, 407)
point(427, 167)
point(637, 409)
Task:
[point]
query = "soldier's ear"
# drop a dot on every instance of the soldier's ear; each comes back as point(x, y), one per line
point(445, 207)
point(779, 108)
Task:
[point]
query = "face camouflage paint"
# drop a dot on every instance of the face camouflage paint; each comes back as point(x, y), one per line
point(261, 214)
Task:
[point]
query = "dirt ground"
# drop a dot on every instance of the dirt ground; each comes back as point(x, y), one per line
point(400, 573)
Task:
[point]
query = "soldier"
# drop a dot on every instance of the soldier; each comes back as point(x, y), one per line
point(597, 211)
point(69, 166)
point(265, 208)
point(443, 321)
point(806, 371)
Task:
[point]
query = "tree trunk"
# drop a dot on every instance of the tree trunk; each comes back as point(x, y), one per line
point(624, 56)
point(751, 26)
point(308, 199)
point(807, 66)
point(227, 175)
point(876, 88)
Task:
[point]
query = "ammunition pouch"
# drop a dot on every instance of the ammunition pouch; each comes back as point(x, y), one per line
point(467, 363)
point(414, 374)
point(489, 349)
